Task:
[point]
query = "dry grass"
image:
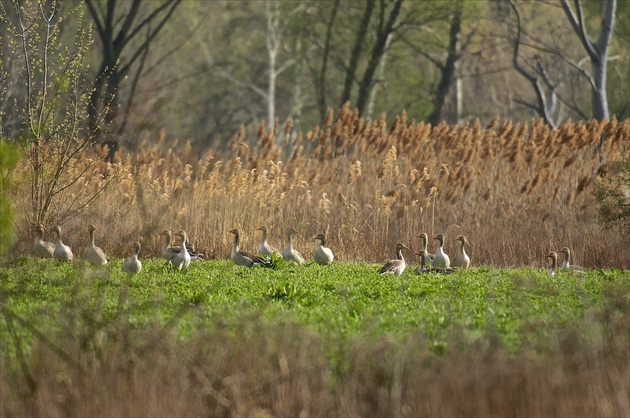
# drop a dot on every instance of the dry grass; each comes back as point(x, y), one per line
point(237, 370)
point(515, 190)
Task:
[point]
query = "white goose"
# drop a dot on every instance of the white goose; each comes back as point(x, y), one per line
point(441, 259)
point(264, 249)
point(181, 260)
point(422, 268)
point(42, 248)
point(243, 258)
point(462, 260)
point(566, 262)
point(323, 255)
point(554, 260)
point(427, 255)
point(397, 265)
point(168, 252)
point(93, 254)
point(61, 252)
point(289, 253)
point(133, 265)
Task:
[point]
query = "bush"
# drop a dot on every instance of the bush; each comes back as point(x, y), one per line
point(613, 195)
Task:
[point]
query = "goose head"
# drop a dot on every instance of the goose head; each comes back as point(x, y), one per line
point(440, 238)
point(321, 237)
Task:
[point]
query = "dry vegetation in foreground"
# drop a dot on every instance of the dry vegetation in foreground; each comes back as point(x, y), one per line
point(515, 190)
point(237, 370)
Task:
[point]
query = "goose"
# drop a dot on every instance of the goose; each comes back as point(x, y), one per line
point(289, 253)
point(43, 249)
point(397, 265)
point(422, 269)
point(428, 256)
point(462, 260)
point(181, 260)
point(168, 252)
point(441, 259)
point(554, 259)
point(323, 255)
point(566, 262)
point(93, 254)
point(133, 265)
point(243, 258)
point(264, 249)
point(61, 252)
point(194, 255)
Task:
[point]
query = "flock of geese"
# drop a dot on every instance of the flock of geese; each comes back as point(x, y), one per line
point(182, 255)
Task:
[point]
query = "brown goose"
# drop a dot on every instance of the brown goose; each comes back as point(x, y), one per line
point(194, 254)
point(425, 240)
point(566, 262)
point(397, 265)
point(62, 252)
point(289, 253)
point(265, 249)
point(462, 260)
point(243, 258)
point(42, 248)
point(554, 260)
point(133, 265)
point(323, 255)
point(168, 252)
point(93, 254)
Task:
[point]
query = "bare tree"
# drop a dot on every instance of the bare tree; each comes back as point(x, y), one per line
point(386, 27)
point(274, 44)
point(546, 97)
point(321, 78)
point(120, 26)
point(597, 50)
point(547, 90)
point(357, 51)
point(447, 69)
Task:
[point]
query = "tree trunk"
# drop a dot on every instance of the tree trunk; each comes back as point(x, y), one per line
point(447, 70)
point(357, 50)
point(321, 80)
point(597, 51)
point(367, 82)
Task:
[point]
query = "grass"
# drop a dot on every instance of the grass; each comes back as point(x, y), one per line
point(500, 339)
point(311, 340)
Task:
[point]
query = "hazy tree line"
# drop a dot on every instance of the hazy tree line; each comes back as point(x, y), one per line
point(201, 69)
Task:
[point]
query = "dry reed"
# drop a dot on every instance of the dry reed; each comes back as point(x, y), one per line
point(515, 190)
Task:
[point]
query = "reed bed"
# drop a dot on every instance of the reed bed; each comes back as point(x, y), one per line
point(516, 190)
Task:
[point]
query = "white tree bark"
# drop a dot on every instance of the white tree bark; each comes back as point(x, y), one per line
point(597, 50)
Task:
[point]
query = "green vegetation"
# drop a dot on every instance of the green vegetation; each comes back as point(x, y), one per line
point(343, 300)
point(222, 340)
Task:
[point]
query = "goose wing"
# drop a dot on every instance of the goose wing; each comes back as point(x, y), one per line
point(391, 267)
point(255, 259)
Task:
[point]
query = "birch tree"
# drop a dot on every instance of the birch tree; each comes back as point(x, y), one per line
point(596, 49)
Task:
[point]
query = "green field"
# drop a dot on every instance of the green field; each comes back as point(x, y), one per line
point(74, 313)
